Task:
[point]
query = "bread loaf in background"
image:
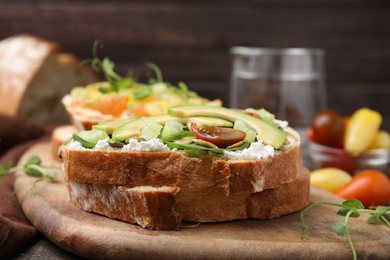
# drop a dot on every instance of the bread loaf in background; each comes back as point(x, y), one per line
point(35, 75)
point(58, 136)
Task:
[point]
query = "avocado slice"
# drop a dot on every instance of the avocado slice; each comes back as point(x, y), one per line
point(123, 129)
point(110, 126)
point(211, 121)
point(172, 128)
point(263, 114)
point(134, 126)
point(90, 138)
point(240, 124)
point(269, 134)
point(151, 130)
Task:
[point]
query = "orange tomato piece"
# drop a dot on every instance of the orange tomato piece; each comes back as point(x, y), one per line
point(113, 105)
point(371, 187)
point(309, 134)
point(141, 111)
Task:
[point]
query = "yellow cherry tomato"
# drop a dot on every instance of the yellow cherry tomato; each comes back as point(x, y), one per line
point(330, 179)
point(381, 140)
point(361, 130)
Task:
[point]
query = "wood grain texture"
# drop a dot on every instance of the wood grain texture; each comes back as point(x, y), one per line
point(190, 40)
point(94, 236)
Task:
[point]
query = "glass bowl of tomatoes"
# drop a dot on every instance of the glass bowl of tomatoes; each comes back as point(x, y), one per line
point(351, 143)
point(324, 156)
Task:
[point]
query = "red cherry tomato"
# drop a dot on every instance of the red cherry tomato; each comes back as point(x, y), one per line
point(371, 187)
point(328, 128)
point(220, 136)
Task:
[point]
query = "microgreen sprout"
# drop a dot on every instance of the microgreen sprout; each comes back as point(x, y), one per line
point(32, 167)
point(157, 71)
point(182, 88)
point(349, 209)
point(106, 66)
point(128, 83)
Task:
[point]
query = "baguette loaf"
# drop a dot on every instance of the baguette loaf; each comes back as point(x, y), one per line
point(59, 135)
point(35, 75)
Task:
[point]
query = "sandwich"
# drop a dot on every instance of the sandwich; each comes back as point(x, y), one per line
point(195, 164)
point(124, 97)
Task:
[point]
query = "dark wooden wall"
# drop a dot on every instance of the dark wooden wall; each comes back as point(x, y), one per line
point(190, 40)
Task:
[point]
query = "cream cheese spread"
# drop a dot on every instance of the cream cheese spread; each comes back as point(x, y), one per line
point(133, 145)
point(256, 150)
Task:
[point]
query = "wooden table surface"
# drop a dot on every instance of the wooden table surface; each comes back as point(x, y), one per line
point(91, 235)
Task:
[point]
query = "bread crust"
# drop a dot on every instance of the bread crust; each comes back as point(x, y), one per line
point(165, 207)
point(30, 53)
point(149, 207)
point(212, 204)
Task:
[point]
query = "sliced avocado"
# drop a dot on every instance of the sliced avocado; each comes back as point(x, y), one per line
point(211, 121)
point(269, 134)
point(263, 114)
point(151, 130)
point(172, 128)
point(240, 124)
point(90, 138)
point(204, 143)
point(215, 103)
point(133, 127)
point(110, 126)
point(178, 136)
point(185, 140)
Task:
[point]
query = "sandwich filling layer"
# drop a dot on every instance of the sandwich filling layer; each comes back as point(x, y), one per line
point(257, 150)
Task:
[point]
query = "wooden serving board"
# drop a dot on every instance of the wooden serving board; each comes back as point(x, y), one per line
point(91, 235)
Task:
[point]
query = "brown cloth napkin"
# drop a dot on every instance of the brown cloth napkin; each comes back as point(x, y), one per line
point(16, 136)
point(14, 131)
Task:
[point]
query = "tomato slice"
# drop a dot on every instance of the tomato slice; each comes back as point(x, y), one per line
point(220, 136)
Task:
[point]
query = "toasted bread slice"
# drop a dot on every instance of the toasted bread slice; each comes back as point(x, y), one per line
point(164, 207)
point(149, 207)
point(173, 168)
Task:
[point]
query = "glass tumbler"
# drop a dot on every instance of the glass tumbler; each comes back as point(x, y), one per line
point(288, 82)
